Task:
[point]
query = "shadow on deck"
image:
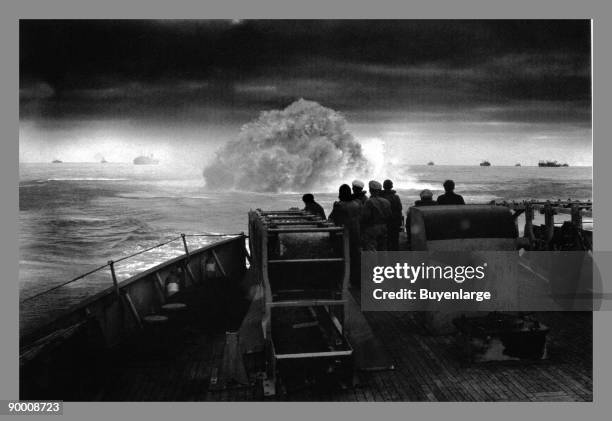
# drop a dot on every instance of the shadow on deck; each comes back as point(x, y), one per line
point(178, 364)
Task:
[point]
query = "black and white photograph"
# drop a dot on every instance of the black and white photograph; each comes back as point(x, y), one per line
point(201, 203)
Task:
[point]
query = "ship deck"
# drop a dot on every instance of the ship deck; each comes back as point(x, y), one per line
point(427, 368)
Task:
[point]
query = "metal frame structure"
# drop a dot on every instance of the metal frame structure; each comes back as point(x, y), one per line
point(577, 210)
point(264, 225)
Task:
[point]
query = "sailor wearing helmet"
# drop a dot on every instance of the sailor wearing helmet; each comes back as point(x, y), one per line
point(375, 217)
point(358, 193)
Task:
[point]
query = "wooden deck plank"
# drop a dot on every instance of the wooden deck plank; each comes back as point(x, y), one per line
point(427, 368)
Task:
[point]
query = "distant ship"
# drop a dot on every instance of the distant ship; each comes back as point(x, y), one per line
point(430, 163)
point(485, 164)
point(104, 161)
point(57, 161)
point(552, 164)
point(518, 164)
point(145, 160)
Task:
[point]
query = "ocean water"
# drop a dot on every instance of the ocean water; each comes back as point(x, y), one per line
point(75, 217)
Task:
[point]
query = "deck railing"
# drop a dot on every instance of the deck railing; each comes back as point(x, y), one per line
point(110, 265)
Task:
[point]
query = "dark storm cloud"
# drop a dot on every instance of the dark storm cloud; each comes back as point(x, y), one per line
point(506, 70)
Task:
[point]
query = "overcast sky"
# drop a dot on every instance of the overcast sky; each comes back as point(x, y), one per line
point(450, 91)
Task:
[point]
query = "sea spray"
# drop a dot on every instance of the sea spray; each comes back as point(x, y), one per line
point(303, 147)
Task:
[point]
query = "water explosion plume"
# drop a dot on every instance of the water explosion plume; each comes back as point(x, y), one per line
point(303, 147)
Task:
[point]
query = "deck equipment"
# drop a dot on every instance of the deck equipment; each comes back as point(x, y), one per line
point(302, 262)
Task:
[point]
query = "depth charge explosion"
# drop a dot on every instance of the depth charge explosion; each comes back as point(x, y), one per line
point(302, 147)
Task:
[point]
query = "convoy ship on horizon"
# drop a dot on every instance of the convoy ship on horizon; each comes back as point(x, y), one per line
point(552, 164)
point(145, 160)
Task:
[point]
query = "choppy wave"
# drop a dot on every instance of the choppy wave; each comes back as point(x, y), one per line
point(82, 219)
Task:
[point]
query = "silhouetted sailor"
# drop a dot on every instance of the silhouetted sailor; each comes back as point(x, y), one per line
point(358, 193)
point(347, 212)
point(450, 197)
point(312, 206)
point(396, 221)
point(375, 216)
point(426, 199)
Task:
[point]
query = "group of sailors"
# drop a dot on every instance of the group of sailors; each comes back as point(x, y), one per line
point(375, 222)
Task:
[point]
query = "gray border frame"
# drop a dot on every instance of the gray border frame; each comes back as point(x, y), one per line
point(12, 10)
